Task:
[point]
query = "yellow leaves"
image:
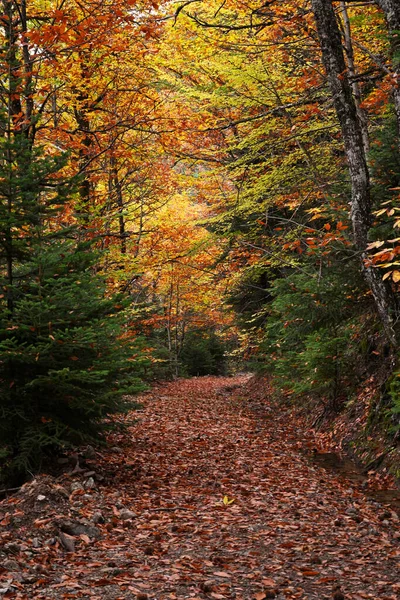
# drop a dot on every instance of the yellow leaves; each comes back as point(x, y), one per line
point(396, 276)
point(227, 501)
point(373, 245)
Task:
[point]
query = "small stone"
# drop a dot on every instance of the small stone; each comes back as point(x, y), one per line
point(385, 523)
point(76, 485)
point(29, 578)
point(90, 453)
point(12, 547)
point(67, 541)
point(89, 483)
point(315, 559)
point(207, 586)
point(78, 528)
point(36, 543)
point(11, 565)
point(41, 498)
point(338, 523)
point(351, 511)
point(40, 569)
point(98, 518)
point(126, 514)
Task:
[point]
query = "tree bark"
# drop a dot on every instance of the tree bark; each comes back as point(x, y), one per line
point(346, 110)
point(348, 44)
point(391, 10)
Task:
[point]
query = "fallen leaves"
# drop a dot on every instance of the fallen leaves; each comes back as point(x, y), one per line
point(207, 496)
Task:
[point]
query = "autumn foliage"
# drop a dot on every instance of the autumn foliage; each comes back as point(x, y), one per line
point(234, 170)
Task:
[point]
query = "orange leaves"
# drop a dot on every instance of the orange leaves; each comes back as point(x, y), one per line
point(378, 98)
point(163, 473)
point(387, 257)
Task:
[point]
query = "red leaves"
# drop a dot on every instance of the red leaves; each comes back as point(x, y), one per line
point(165, 531)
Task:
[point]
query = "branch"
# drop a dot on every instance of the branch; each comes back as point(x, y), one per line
point(181, 7)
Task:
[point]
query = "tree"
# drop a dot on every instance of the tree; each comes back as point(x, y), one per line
point(391, 10)
point(65, 361)
point(360, 214)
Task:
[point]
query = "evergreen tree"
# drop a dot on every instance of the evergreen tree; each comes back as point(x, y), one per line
point(64, 364)
point(202, 353)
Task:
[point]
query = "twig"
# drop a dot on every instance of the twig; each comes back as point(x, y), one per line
point(8, 490)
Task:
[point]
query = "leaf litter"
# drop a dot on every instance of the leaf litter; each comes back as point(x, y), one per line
point(206, 496)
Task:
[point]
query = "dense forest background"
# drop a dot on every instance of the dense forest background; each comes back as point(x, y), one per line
point(191, 188)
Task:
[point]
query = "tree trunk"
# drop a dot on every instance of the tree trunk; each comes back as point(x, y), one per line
point(360, 212)
point(391, 9)
point(348, 44)
point(119, 198)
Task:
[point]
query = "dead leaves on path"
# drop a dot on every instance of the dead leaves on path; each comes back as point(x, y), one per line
point(203, 498)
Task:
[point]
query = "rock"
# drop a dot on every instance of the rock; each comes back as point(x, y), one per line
point(89, 483)
point(40, 569)
point(338, 523)
point(50, 541)
point(5, 590)
point(315, 559)
point(76, 485)
point(12, 547)
point(41, 498)
point(351, 511)
point(18, 576)
point(207, 586)
point(11, 565)
point(98, 518)
point(67, 541)
point(112, 570)
point(79, 528)
point(126, 514)
point(61, 491)
point(29, 578)
point(36, 543)
point(90, 453)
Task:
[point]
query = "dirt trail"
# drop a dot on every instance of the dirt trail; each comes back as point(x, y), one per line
point(162, 531)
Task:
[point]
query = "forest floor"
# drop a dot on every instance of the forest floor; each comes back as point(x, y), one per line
point(211, 494)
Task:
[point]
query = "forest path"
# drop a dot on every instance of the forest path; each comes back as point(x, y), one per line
point(293, 530)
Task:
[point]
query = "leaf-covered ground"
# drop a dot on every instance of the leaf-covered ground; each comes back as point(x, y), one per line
point(209, 495)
